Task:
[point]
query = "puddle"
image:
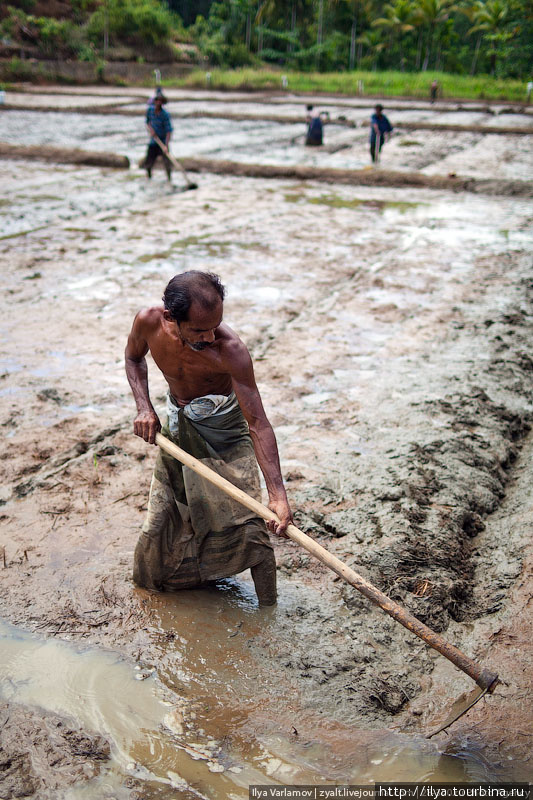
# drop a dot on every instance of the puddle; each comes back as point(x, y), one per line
point(220, 715)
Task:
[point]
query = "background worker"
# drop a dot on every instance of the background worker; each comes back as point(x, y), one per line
point(380, 130)
point(315, 128)
point(158, 123)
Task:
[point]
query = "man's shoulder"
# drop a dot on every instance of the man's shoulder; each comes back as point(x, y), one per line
point(149, 319)
point(232, 347)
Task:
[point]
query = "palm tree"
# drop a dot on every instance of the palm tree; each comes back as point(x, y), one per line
point(358, 10)
point(374, 43)
point(490, 19)
point(470, 12)
point(431, 14)
point(398, 20)
point(275, 10)
point(320, 26)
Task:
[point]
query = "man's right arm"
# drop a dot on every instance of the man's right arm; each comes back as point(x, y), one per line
point(146, 423)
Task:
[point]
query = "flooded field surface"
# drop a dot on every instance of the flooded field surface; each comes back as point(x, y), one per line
point(258, 140)
point(391, 334)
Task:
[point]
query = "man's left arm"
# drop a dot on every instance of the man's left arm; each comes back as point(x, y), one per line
point(263, 438)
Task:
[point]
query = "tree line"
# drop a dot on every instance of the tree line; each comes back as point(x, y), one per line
point(460, 36)
point(492, 37)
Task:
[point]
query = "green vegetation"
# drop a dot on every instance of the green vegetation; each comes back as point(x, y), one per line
point(94, 28)
point(457, 36)
point(473, 48)
point(391, 84)
point(335, 201)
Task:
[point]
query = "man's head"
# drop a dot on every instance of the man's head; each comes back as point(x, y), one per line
point(194, 301)
point(309, 107)
point(379, 108)
point(159, 98)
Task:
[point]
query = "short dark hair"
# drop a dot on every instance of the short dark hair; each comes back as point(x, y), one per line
point(309, 107)
point(379, 107)
point(204, 288)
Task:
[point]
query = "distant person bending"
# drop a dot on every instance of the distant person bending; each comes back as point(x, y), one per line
point(159, 124)
point(380, 129)
point(315, 128)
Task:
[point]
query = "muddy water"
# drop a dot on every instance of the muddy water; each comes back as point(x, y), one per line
point(215, 718)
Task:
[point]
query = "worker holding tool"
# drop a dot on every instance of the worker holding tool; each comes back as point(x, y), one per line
point(192, 533)
point(159, 127)
point(380, 130)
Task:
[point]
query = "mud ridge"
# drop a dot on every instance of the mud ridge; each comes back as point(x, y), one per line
point(363, 177)
point(64, 155)
point(484, 129)
point(414, 534)
point(446, 487)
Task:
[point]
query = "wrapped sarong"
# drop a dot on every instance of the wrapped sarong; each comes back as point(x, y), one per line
point(193, 531)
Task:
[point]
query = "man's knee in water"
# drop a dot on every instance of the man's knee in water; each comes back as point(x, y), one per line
point(264, 578)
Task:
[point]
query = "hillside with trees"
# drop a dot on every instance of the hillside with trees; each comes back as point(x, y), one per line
point(468, 37)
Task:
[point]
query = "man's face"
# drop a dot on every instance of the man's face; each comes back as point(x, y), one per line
point(158, 102)
point(199, 331)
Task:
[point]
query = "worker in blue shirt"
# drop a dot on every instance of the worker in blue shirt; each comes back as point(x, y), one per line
point(380, 128)
point(159, 124)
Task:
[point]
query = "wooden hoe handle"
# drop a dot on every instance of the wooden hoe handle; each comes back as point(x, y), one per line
point(483, 677)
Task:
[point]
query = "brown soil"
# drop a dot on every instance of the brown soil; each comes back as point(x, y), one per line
point(42, 753)
point(390, 329)
point(63, 155)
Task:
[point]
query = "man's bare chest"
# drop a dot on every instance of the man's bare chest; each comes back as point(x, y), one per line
point(191, 374)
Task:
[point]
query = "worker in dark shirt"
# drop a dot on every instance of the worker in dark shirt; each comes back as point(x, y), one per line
point(380, 129)
point(159, 124)
point(314, 136)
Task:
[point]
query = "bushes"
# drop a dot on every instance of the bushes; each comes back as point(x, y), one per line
point(53, 37)
point(58, 37)
point(141, 22)
point(137, 23)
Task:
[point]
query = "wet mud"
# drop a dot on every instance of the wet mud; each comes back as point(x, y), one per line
point(283, 120)
point(62, 155)
point(391, 333)
point(41, 753)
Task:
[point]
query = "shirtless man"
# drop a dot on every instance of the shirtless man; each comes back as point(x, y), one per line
point(204, 362)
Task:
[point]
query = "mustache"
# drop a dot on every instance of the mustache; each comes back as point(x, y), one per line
point(198, 345)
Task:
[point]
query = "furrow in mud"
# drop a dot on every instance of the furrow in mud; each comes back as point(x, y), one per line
point(413, 532)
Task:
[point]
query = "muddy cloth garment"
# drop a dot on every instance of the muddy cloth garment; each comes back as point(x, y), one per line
point(193, 531)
